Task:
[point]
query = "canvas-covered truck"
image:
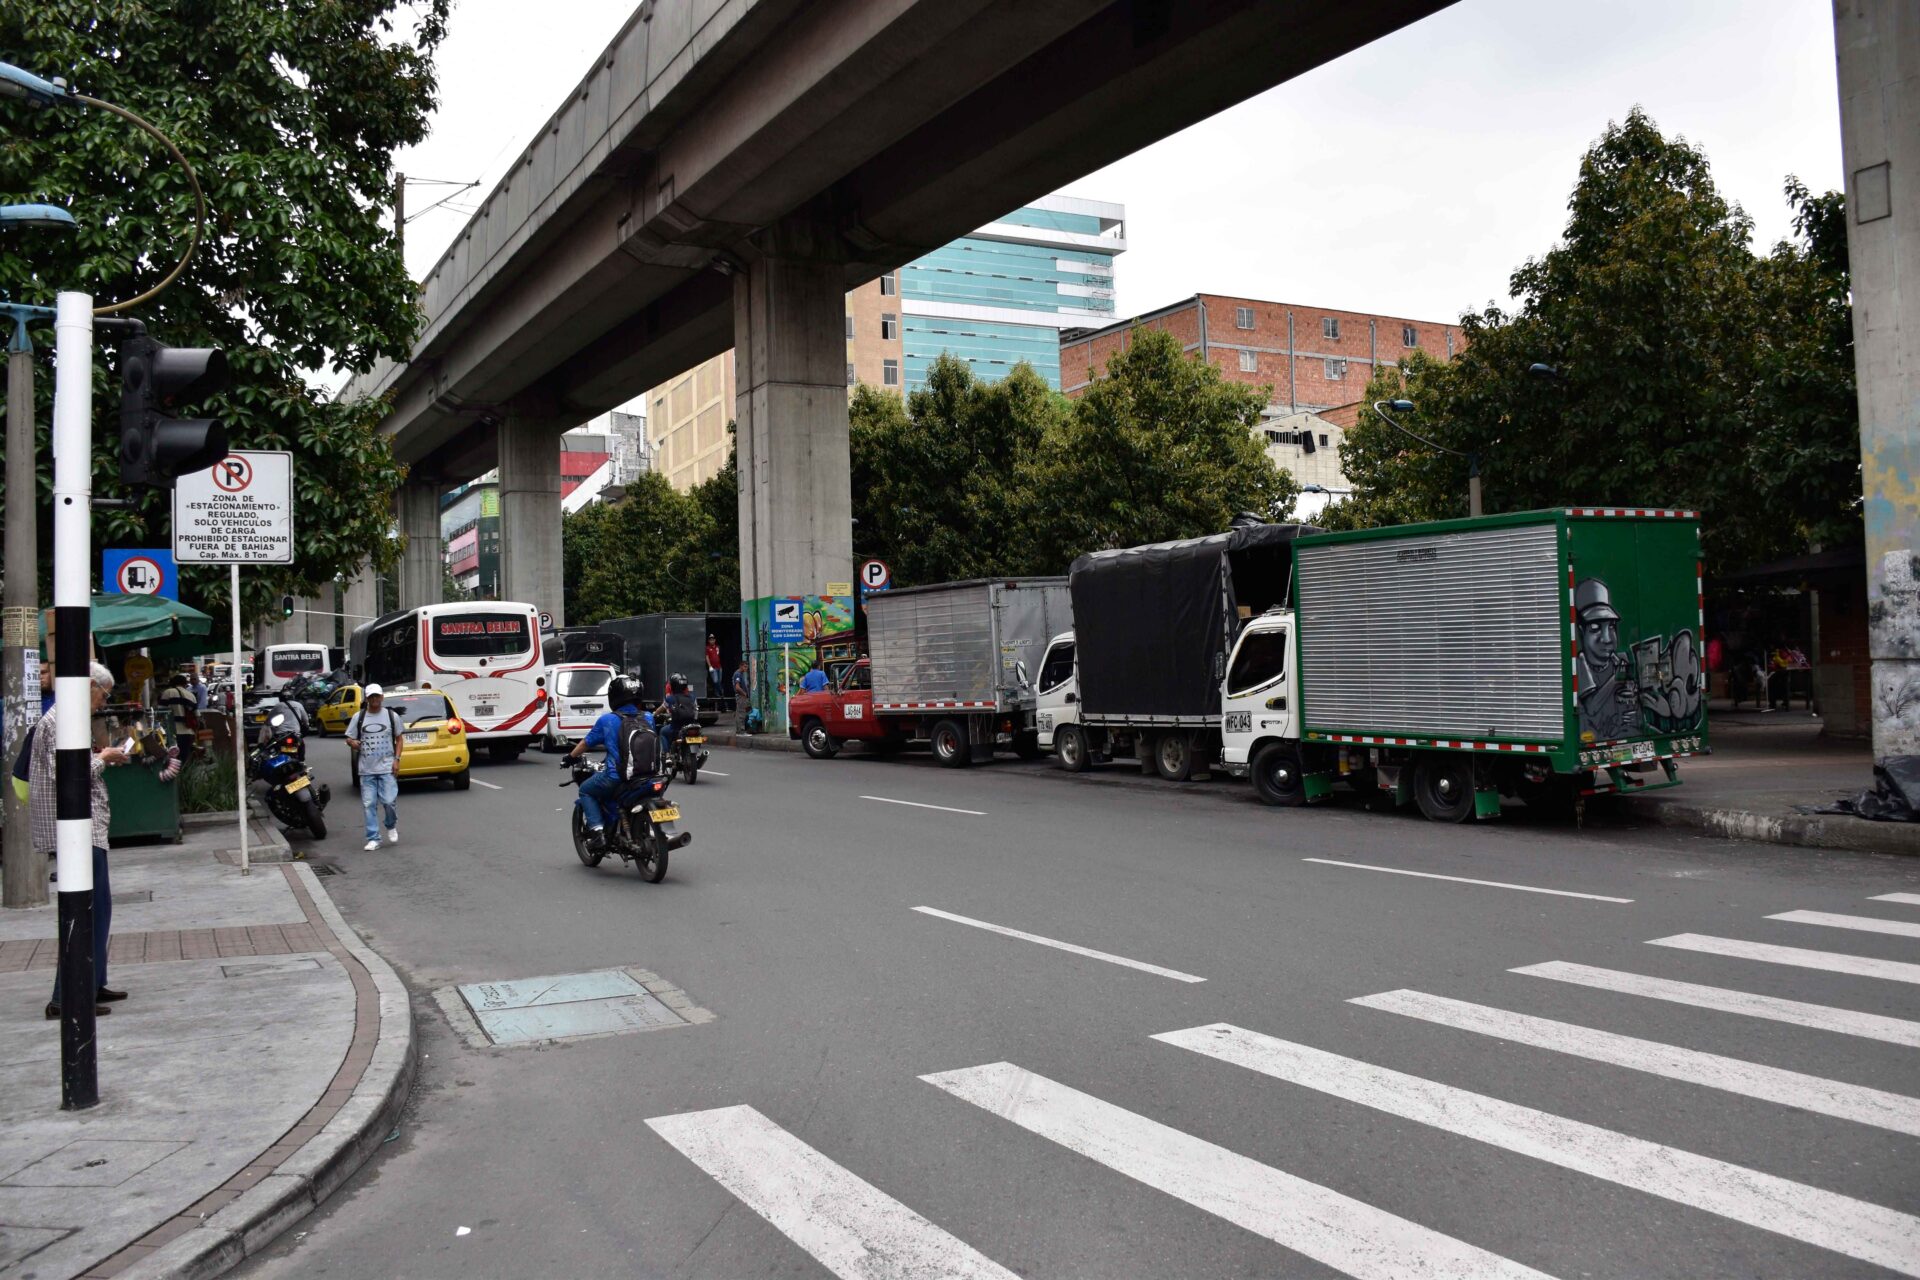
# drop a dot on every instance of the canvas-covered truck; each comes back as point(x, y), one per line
point(1139, 676)
point(1549, 655)
point(951, 665)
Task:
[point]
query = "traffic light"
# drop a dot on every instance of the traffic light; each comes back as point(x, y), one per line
point(286, 602)
point(154, 380)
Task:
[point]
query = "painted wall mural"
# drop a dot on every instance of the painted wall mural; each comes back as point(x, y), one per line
point(1657, 686)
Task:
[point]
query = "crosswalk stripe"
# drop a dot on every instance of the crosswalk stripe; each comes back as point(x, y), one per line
point(1844, 1225)
point(1831, 961)
point(853, 1228)
point(1911, 899)
point(1835, 1098)
point(1308, 1218)
point(1865, 924)
point(1871, 1026)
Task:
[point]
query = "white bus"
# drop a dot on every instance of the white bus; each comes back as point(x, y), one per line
point(282, 662)
point(484, 654)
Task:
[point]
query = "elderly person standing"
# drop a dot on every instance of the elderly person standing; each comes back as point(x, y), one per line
point(45, 812)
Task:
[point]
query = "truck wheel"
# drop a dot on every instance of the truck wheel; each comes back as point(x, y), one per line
point(1443, 786)
point(1277, 778)
point(950, 744)
point(1173, 756)
point(818, 742)
point(1070, 745)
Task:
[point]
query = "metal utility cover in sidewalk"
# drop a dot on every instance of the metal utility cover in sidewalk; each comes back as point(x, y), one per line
point(571, 1005)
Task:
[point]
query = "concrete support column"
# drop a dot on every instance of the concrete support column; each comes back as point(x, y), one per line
point(532, 570)
point(360, 599)
point(1878, 46)
point(422, 573)
point(322, 625)
point(796, 503)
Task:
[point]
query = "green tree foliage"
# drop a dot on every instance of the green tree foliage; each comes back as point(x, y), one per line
point(290, 115)
point(655, 551)
point(1695, 374)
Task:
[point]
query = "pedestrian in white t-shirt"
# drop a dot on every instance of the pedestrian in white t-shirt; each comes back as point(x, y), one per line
point(374, 735)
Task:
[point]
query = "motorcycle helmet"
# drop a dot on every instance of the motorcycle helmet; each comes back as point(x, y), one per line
point(621, 691)
point(677, 683)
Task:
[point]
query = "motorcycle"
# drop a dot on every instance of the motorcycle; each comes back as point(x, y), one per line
point(688, 752)
point(644, 827)
point(279, 761)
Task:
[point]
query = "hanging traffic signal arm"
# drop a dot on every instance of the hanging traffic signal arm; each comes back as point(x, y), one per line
point(154, 380)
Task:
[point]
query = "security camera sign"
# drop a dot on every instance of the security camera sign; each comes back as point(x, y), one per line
point(238, 511)
point(787, 623)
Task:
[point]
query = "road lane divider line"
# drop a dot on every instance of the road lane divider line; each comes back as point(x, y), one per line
point(1847, 1022)
point(1801, 957)
point(1862, 1105)
point(850, 1226)
point(491, 786)
point(1058, 945)
point(1910, 899)
point(915, 804)
point(715, 773)
point(1826, 1219)
point(1491, 884)
point(1865, 924)
point(1310, 1219)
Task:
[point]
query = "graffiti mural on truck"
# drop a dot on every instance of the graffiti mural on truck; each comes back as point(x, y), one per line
point(1656, 687)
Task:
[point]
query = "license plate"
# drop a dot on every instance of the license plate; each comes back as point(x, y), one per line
point(695, 737)
point(299, 784)
point(1643, 751)
point(420, 737)
point(666, 813)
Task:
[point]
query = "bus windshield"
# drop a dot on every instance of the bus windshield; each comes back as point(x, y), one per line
point(293, 662)
point(482, 635)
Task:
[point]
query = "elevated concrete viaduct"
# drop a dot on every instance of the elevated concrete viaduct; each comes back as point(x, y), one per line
point(725, 170)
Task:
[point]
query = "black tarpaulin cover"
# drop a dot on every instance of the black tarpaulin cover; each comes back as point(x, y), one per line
point(1154, 623)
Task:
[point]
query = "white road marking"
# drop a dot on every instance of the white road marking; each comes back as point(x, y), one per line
point(1828, 1220)
point(1871, 1026)
point(1317, 1221)
point(852, 1227)
point(1142, 965)
point(715, 773)
point(1831, 961)
point(978, 813)
point(1911, 899)
point(491, 786)
point(1854, 1102)
point(1491, 884)
point(1865, 924)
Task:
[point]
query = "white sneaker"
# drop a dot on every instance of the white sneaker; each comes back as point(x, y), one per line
point(369, 846)
point(393, 835)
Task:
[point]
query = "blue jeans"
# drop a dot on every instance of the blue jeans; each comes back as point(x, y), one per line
point(379, 790)
point(102, 922)
point(594, 792)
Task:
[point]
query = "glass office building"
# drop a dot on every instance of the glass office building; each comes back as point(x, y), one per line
point(1003, 294)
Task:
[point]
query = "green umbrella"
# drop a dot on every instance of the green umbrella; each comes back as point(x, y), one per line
point(120, 620)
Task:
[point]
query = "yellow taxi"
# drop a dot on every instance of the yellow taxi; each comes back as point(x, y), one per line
point(434, 741)
point(338, 709)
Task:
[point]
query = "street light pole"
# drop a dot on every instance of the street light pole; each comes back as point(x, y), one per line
point(1473, 459)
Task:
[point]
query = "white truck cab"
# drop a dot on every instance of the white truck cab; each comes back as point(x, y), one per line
point(1259, 699)
point(1057, 690)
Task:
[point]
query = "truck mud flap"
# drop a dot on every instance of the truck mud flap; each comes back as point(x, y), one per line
point(1396, 783)
point(1486, 804)
point(1318, 786)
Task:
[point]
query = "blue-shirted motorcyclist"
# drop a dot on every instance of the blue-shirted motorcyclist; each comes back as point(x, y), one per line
point(623, 699)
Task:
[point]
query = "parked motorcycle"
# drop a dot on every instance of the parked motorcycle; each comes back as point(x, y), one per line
point(279, 762)
point(644, 826)
point(688, 752)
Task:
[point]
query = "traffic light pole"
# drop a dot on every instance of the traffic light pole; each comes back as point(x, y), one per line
point(23, 871)
point(72, 691)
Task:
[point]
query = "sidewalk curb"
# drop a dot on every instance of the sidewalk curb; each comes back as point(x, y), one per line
point(752, 741)
point(309, 1174)
point(1811, 831)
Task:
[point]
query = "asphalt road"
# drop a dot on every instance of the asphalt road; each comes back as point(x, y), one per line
point(1362, 1083)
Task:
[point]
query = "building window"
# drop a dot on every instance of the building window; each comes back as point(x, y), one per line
point(1323, 439)
point(849, 328)
point(889, 325)
point(1409, 336)
point(890, 373)
point(1273, 437)
point(1249, 362)
point(1336, 370)
point(1243, 317)
point(850, 378)
point(1330, 328)
point(889, 285)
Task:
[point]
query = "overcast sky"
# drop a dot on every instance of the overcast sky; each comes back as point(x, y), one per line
point(1410, 177)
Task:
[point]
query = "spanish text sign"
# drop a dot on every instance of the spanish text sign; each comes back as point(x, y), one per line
point(238, 511)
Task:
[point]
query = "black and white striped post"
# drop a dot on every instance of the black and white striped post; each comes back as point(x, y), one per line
point(72, 692)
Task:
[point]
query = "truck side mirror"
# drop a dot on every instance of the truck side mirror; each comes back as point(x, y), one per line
point(1277, 703)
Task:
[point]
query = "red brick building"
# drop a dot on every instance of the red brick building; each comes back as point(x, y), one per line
point(1314, 358)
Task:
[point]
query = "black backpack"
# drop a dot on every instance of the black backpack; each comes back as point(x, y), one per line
point(684, 711)
point(639, 749)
